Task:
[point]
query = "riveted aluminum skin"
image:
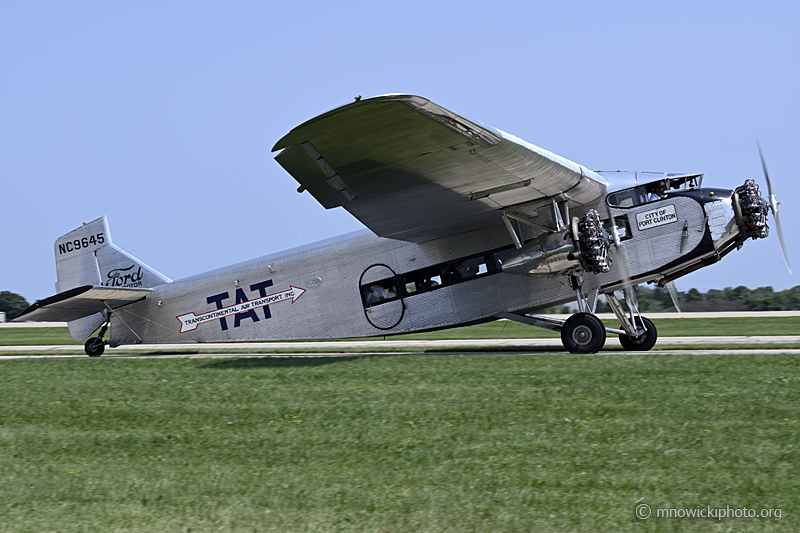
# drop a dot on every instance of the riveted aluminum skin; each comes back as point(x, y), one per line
point(335, 308)
point(721, 221)
point(655, 249)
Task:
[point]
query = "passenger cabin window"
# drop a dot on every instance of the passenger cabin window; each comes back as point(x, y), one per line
point(468, 268)
point(433, 277)
point(380, 291)
point(501, 256)
point(623, 228)
point(423, 280)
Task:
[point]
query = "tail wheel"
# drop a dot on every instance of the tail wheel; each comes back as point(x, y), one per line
point(94, 347)
point(583, 333)
point(644, 342)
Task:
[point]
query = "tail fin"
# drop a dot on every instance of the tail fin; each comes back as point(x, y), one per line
point(86, 256)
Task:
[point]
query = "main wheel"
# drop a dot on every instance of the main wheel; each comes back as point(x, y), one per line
point(94, 347)
point(642, 343)
point(583, 333)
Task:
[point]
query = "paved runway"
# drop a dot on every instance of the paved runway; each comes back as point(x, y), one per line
point(380, 343)
point(379, 346)
point(311, 348)
point(389, 354)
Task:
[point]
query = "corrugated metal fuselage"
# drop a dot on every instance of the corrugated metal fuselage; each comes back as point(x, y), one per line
point(331, 306)
point(315, 292)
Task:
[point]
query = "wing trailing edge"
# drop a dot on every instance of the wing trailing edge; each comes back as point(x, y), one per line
point(79, 302)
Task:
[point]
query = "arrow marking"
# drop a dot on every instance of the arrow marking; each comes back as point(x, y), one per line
point(190, 321)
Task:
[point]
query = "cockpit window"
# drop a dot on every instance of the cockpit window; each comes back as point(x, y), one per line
point(653, 191)
point(641, 194)
point(627, 197)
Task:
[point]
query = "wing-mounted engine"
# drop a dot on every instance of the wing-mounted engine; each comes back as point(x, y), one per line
point(591, 243)
point(583, 245)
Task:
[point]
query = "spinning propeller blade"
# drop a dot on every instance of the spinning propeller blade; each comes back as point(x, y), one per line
point(773, 203)
point(622, 255)
point(673, 293)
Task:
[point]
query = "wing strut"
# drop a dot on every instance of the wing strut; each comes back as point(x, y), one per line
point(516, 238)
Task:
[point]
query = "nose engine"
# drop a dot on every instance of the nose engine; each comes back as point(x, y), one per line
point(751, 211)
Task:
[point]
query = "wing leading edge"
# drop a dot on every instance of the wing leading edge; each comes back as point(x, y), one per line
point(409, 169)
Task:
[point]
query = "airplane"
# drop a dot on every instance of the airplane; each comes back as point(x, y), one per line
point(465, 224)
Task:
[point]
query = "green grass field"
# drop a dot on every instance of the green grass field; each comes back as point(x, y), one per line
point(535, 442)
point(496, 330)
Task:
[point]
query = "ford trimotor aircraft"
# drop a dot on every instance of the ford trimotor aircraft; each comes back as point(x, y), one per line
point(467, 224)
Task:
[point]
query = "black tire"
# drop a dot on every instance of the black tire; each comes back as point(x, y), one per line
point(94, 347)
point(583, 333)
point(643, 343)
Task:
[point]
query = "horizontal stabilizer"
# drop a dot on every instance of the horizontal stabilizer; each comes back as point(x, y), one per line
point(79, 302)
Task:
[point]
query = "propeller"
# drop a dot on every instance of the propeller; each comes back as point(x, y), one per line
point(622, 257)
point(673, 293)
point(773, 203)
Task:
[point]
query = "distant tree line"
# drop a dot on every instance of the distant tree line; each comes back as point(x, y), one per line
point(656, 300)
point(12, 304)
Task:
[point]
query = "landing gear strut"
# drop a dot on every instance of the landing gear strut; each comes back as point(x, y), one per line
point(643, 342)
point(639, 334)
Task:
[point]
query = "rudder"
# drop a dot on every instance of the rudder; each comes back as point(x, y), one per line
point(86, 256)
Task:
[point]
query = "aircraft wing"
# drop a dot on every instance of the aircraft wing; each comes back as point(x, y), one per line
point(78, 303)
point(409, 169)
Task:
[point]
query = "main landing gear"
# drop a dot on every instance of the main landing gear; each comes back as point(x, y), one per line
point(583, 332)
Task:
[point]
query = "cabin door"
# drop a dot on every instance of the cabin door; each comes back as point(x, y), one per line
point(381, 294)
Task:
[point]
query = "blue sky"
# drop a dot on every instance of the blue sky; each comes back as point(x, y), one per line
point(162, 115)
